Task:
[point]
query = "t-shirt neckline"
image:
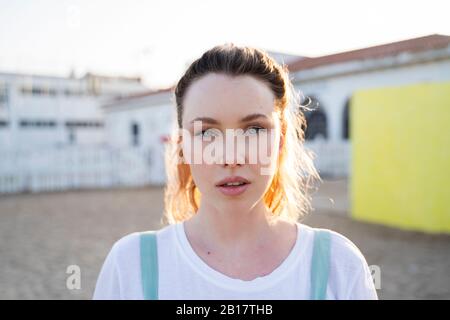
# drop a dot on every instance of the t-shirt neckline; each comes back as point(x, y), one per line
point(235, 284)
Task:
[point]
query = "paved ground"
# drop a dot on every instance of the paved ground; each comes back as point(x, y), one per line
point(42, 234)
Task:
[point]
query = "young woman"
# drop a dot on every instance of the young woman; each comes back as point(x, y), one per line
point(233, 229)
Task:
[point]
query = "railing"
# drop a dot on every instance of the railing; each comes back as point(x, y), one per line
point(332, 158)
point(74, 168)
point(78, 167)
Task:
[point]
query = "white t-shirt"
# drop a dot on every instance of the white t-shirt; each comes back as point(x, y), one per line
point(184, 275)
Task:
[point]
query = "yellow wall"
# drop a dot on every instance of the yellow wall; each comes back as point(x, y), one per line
point(401, 156)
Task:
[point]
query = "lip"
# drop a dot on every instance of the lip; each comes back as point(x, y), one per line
point(232, 179)
point(233, 190)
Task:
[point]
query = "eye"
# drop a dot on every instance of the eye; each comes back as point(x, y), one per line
point(210, 132)
point(254, 130)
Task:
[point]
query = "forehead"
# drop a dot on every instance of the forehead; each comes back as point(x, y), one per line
point(226, 98)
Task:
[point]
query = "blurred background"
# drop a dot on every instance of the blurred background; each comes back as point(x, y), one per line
point(86, 107)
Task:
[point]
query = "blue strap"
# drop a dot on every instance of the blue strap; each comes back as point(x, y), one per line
point(320, 264)
point(149, 265)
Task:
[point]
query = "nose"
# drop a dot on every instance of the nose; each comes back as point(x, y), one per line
point(232, 165)
point(234, 158)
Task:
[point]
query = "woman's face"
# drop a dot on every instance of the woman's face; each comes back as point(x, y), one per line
point(231, 130)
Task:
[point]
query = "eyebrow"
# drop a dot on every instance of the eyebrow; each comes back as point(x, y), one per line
point(248, 118)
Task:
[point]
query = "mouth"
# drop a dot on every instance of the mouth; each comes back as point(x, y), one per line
point(233, 186)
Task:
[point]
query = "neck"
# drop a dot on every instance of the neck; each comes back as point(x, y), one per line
point(231, 227)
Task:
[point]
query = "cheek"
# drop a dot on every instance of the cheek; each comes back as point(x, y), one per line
point(202, 175)
point(262, 175)
point(267, 152)
point(198, 151)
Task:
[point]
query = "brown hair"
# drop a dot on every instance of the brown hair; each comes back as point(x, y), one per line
point(288, 192)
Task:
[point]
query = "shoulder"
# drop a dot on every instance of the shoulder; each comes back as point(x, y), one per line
point(350, 275)
point(344, 254)
point(130, 243)
point(118, 272)
point(344, 246)
point(125, 243)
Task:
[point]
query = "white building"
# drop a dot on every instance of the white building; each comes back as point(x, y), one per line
point(52, 132)
point(44, 111)
point(141, 123)
point(284, 58)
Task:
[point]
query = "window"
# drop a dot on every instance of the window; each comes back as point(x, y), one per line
point(3, 95)
point(26, 90)
point(346, 121)
point(73, 92)
point(83, 124)
point(72, 136)
point(38, 91)
point(37, 123)
point(134, 134)
point(316, 120)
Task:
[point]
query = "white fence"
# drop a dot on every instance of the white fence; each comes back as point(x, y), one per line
point(74, 168)
point(105, 167)
point(332, 158)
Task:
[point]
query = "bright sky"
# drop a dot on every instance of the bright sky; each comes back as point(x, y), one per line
point(157, 38)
